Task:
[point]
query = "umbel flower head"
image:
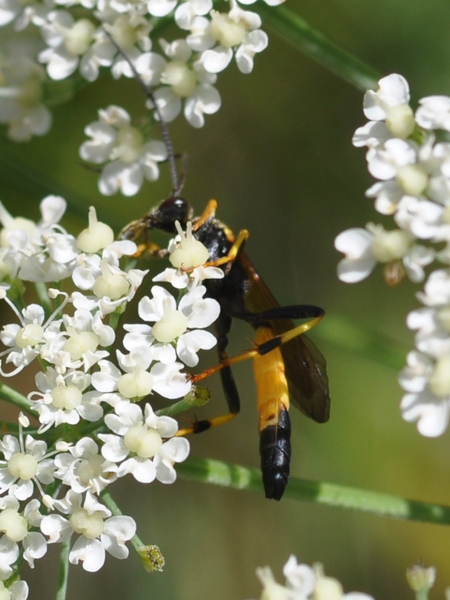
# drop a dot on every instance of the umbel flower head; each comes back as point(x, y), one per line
point(413, 172)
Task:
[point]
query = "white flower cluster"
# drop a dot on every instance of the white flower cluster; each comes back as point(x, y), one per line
point(302, 583)
point(66, 36)
point(413, 170)
point(84, 388)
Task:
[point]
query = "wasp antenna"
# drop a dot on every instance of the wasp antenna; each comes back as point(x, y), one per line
point(184, 167)
point(176, 186)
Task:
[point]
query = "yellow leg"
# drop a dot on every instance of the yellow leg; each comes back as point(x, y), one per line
point(275, 342)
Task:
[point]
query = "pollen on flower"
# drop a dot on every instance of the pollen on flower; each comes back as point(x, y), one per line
point(180, 77)
point(135, 385)
point(23, 466)
point(80, 342)
point(30, 335)
point(226, 31)
point(389, 245)
point(66, 397)
point(95, 237)
point(89, 525)
point(14, 526)
point(439, 380)
point(79, 36)
point(412, 179)
point(145, 442)
point(172, 324)
point(110, 284)
point(129, 144)
point(190, 252)
point(400, 120)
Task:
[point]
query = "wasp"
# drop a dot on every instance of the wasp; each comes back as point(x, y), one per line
point(287, 364)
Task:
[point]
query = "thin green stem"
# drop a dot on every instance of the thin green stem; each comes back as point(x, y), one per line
point(150, 555)
point(383, 505)
point(299, 33)
point(63, 576)
point(44, 299)
point(110, 503)
point(13, 397)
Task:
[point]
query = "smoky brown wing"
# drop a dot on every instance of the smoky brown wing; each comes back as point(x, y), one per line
point(305, 365)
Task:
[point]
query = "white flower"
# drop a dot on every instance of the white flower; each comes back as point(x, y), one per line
point(180, 325)
point(62, 399)
point(181, 81)
point(428, 402)
point(112, 287)
point(303, 583)
point(25, 465)
point(131, 159)
point(16, 591)
point(27, 340)
point(363, 248)
point(84, 469)
point(42, 251)
point(142, 436)
point(389, 113)
point(21, 94)
point(434, 112)
point(98, 530)
point(187, 11)
point(68, 40)
point(15, 525)
point(236, 33)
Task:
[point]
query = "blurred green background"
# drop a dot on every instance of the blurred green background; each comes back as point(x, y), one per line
point(279, 160)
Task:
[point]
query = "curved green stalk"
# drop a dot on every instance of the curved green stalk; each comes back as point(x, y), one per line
point(299, 33)
point(376, 503)
point(13, 397)
point(63, 576)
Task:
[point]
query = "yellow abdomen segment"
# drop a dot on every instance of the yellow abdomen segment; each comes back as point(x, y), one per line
point(271, 383)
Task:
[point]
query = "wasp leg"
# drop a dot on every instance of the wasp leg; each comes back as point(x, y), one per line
point(223, 326)
point(208, 214)
point(264, 348)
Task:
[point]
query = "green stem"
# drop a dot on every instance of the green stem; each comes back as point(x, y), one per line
point(44, 299)
point(110, 503)
point(63, 576)
point(299, 33)
point(383, 505)
point(13, 397)
point(150, 555)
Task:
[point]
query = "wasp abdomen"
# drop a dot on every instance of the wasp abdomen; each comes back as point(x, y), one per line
point(275, 450)
point(274, 422)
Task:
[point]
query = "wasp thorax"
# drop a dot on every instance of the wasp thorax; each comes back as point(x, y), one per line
point(190, 252)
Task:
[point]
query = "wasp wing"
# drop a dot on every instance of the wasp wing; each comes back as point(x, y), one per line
point(305, 365)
